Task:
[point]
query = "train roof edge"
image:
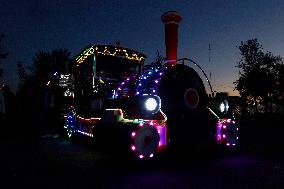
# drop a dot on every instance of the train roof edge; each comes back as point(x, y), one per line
point(110, 50)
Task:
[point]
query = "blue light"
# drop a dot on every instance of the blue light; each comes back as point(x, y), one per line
point(149, 81)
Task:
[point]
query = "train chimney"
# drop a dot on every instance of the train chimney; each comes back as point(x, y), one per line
point(171, 21)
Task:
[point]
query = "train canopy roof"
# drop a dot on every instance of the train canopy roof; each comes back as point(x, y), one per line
point(110, 50)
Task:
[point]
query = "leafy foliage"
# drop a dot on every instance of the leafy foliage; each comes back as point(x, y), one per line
point(159, 61)
point(45, 64)
point(23, 75)
point(260, 72)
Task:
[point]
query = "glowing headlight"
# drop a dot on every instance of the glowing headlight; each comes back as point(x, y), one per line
point(151, 104)
point(224, 106)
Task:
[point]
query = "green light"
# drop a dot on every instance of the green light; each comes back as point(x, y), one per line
point(213, 112)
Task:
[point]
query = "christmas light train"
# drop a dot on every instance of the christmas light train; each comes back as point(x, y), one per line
point(135, 119)
point(122, 105)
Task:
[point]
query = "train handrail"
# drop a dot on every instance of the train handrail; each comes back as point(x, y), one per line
point(208, 81)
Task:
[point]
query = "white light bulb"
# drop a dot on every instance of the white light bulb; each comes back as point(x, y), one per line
point(151, 104)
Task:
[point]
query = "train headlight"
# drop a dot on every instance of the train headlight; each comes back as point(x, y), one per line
point(151, 104)
point(224, 106)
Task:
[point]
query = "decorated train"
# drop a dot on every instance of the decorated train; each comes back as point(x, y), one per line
point(143, 110)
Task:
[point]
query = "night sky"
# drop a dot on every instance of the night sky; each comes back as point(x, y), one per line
point(34, 25)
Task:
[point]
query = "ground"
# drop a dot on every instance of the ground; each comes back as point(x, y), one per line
point(57, 162)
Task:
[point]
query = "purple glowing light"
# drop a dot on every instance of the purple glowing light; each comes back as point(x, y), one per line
point(162, 130)
point(223, 136)
point(141, 156)
point(218, 137)
point(151, 155)
point(219, 124)
point(133, 134)
point(133, 148)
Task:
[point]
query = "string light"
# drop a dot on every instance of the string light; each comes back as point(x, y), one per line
point(226, 132)
point(111, 51)
point(149, 81)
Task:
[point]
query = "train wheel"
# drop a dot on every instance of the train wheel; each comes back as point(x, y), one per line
point(227, 136)
point(146, 142)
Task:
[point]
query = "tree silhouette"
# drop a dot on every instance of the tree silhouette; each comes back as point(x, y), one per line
point(159, 61)
point(258, 73)
point(34, 83)
point(45, 64)
point(22, 72)
point(278, 71)
point(3, 54)
point(33, 89)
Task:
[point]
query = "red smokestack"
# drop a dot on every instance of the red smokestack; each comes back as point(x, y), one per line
point(171, 21)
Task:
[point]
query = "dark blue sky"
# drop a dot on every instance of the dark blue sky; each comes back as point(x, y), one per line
point(30, 26)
